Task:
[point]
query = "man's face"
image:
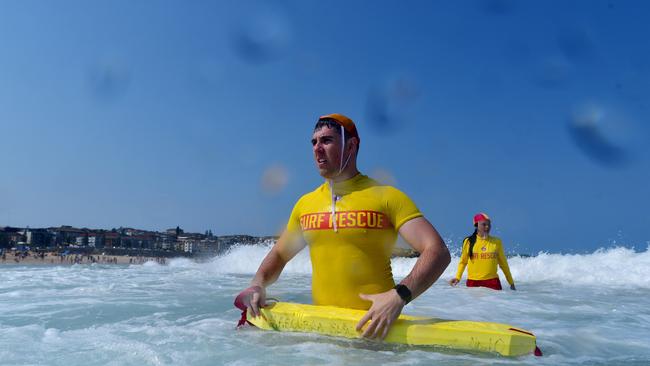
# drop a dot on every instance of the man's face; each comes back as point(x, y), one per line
point(483, 227)
point(326, 144)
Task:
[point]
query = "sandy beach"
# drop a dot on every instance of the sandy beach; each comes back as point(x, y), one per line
point(11, 258)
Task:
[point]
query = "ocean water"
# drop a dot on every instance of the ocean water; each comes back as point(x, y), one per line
point(591, 309)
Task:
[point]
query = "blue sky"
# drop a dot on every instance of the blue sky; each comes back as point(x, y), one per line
point(153, 114)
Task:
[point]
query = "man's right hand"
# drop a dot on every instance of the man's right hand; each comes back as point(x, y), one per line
point(252, 298)
point(454, 281)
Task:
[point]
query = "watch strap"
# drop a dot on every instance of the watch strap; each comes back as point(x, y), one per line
point(403, 292)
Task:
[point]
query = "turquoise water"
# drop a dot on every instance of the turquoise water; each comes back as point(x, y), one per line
point(584, 309)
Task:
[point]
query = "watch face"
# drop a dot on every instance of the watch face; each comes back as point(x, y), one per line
point(403, 292)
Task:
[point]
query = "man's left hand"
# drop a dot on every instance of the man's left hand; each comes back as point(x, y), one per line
point(385, 308)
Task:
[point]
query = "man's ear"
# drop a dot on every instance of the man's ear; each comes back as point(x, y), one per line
point(355, 143)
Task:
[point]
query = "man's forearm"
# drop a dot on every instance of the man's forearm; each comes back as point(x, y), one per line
point(430, 265)
point(269, 270)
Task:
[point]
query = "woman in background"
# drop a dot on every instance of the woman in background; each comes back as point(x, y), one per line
point(483, 252)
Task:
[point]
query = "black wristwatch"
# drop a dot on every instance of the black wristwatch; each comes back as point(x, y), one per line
point(403, 292)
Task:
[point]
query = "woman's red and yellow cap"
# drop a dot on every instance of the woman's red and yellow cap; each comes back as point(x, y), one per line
point(480, 217)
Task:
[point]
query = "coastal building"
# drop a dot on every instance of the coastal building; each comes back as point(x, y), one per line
point(112, 239)
point(188, 243)
point(67, 235)
point(40, 238)
point(96, 240)
point(11, 236)
point(122, 240)
point(81, 241)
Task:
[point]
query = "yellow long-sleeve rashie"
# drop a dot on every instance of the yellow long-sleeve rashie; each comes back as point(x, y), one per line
point(487, 253)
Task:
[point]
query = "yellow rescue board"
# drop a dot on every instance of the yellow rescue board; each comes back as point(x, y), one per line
point(455, 334)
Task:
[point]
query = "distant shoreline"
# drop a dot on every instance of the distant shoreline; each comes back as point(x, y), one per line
point(52, 258)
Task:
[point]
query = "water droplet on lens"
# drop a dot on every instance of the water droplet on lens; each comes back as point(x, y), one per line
point(588, 133)
point(552, 73)
point(497, 7)
point(262, 37)
point(387, 107)
point(109, 80)
point(384, 176)
point(577, 44)
point(274, 179)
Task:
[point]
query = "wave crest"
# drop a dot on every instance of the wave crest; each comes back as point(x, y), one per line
point(612, 267)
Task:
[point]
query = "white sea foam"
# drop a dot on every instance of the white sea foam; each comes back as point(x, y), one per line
point(245, 259)
point(584, 309)
point(605, 267)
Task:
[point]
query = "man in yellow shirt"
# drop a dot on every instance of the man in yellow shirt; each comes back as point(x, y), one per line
point(351, 223)
point(483, 252)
